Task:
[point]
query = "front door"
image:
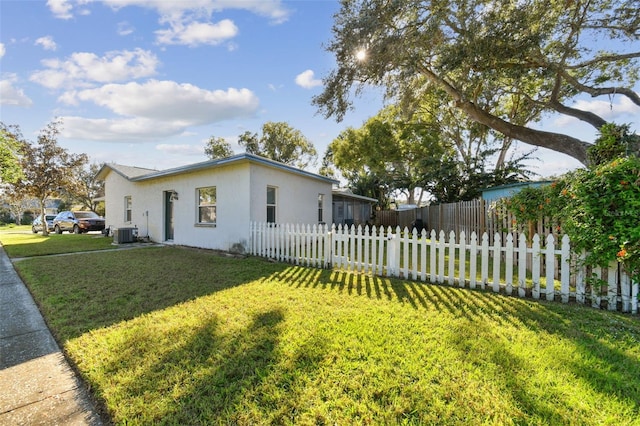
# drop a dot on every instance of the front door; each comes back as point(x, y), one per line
point(168, 215)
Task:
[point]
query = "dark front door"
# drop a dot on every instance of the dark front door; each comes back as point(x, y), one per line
point(168, 215)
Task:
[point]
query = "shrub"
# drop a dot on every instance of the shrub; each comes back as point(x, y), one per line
point(602, 213)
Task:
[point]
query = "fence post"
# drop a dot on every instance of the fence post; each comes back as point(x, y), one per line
point(441, 254)
point(462, 250)
point(328, 246)
point(404, 243)
point(550, 266)
point(522, 265)
point(452, 256)
point(565, 257)
point(497, 246)
point(484, 258)
point(414, 254)
point(535, 266)
point(391, 253)
point(625, 290)
point(596, 287)
point(612, 288)
point(473, 259)
point(432, 257)
point(634, 297)
point(508, 258)
point(380, 250)
point(581, 289)
point(423, 255)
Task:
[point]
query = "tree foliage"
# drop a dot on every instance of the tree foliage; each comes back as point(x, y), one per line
point(46, 167)
point(280, 142)
point(503, 64)
point(11, 143)
point(389, 149)
point(614, 141)
point(451, 179)
point(85, 188)
point(429, 151)
point(218, 148)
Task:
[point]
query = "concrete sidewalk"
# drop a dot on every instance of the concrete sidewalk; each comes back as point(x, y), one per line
point(37, 385)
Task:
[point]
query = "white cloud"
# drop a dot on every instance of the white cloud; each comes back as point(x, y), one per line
point(124, 130)
point(2, 50)
point(47, 43)
point(196, 33)
point(168, 100)
point(188, 20)
point(125, 28)
point(61, 9)
point(198, 9)
point(610, 111)
point(11, 95)
point(305, 79)
point(83, 69)
point(156, 109)
point(64, 9)
point(181, 149)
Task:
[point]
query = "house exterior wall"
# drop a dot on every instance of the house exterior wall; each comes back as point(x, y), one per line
point(297, 196)
point(241, 197)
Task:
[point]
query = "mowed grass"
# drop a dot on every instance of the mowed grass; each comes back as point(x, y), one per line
point(19, 241)
point(170, 335)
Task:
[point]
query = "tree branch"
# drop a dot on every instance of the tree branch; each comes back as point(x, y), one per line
point(565, 144)
point(599, 91)
point(604, 58)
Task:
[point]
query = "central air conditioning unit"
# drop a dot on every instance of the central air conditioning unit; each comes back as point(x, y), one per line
point(124, 235)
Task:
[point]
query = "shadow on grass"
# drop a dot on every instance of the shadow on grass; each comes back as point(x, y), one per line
point(93, 290)
point(599, 336)
point(223, 374)
point(217, 371)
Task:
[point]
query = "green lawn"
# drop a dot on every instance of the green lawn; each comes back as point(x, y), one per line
point(169, 335)
point(19, 241)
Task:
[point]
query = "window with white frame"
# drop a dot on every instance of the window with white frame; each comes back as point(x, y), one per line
point(271, 204)
point(207, 205)
point(320, 207)
point(127, 208)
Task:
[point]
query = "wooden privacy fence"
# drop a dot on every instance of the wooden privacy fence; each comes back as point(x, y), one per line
point(477, 216)
point(545, 268)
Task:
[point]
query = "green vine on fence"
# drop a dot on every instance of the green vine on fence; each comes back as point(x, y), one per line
point(598, 207)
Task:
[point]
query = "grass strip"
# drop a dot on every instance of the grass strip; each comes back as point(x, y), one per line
point(19, 241)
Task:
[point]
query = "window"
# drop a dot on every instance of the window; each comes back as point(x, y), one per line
point(127, 208)
point(320, 207)
point(271, 204)
point(207, 205)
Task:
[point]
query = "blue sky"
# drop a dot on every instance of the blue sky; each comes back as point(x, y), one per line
point(146, 83)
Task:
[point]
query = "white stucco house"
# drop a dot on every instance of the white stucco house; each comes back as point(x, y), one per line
point(212, 204)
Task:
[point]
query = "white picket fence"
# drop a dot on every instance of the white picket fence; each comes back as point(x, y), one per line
point(514, 266)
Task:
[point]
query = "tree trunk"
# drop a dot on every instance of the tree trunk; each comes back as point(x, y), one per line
point(43, 219)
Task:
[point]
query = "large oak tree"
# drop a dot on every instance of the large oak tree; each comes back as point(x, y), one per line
point(487, 56)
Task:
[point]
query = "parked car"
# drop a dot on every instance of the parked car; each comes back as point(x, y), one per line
point(36, 225)
point(78, 222)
